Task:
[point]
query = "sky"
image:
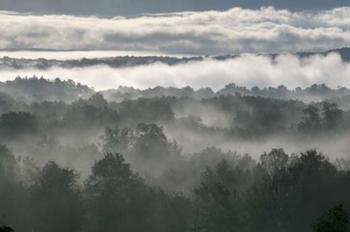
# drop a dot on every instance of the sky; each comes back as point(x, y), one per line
point(136, 7)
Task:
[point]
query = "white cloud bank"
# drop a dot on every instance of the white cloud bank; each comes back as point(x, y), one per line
point(248, 70)
point(207, 32)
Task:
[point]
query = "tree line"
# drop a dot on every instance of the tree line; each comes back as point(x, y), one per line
point(38, 89)
point(280, 192)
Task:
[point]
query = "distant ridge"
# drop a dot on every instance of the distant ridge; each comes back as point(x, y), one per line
point(133, 60)
point(344, 53)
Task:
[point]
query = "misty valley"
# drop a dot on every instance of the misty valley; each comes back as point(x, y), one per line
point(172, 159)
point(174, 116)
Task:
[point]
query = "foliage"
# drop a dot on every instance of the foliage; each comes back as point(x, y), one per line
point(335, 220)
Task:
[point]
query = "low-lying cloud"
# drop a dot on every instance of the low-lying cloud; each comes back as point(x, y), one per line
point(209, 32)
point(247, 70)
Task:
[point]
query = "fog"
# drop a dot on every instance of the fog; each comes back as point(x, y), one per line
point(247, 70)
point(333, 146)
point(216, 120)
point(88, 160)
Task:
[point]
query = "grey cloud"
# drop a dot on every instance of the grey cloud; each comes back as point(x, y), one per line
point(237, 30)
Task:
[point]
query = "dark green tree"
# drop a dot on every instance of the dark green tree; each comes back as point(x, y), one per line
point(332, 116)
point(114, 196)
point(56, 203)
point(14, 124)
point(218, 200)
point(312, 121)
point(12, 193)
point(334, 220)
point(6, 229)
point(119, 200)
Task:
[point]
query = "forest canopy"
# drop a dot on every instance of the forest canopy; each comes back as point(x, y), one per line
point(73, 159)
